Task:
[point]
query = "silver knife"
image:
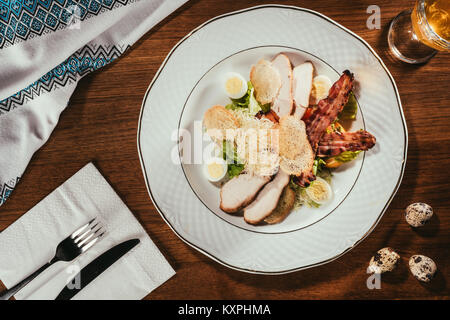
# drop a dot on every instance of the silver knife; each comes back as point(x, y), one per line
point(96, 267)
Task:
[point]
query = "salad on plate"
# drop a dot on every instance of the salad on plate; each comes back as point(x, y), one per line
point(280, 137)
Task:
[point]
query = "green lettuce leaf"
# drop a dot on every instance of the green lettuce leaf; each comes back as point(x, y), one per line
point(235, 166)
point(347, 156)
point(234, 170)
point(318, 166)
point(249, 102)
point(229, 152)
point(241, 102)
point(253, 105)
point(350, 109)
point(265, 107)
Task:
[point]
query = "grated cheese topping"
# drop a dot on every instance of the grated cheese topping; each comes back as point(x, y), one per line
point(257, 144)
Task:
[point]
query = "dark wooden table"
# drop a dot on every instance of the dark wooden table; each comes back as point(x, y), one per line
point(100, 125)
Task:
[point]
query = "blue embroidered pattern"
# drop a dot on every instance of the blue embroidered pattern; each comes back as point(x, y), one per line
point(6, 189)
point(82, 62)
point(23, 19)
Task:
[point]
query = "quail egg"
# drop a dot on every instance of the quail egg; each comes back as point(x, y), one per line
point(418, 214)
point(319, 191)
point(422, 267)
point(321, 85)
point(384, 260)
point(235, 85)
point(215, 169)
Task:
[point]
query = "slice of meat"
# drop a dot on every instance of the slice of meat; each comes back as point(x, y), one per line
point(240, 191)
point(328, 109)
point(333, 144)
point(267, 199)
point(302, 85)
point(283, 103)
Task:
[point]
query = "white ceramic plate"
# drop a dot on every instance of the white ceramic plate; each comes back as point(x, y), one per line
point(188, 83)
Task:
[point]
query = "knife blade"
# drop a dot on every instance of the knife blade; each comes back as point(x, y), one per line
point(96, 267)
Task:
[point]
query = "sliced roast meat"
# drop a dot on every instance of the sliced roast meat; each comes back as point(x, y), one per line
point(240, 191)
point(267, 199)
point(301, 87)
point(283, 103)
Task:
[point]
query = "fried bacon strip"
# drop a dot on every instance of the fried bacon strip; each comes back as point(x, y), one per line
point(328, 109)
point(271, 115)
point(334, 143)
point(324, 115)
point(304, 180)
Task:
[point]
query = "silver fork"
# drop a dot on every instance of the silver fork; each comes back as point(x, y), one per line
point(77, 243)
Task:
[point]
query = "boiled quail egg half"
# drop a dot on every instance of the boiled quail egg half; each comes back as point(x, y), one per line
point(319, 191)
point(235, 85)
point(320, 87)
point(215, 169)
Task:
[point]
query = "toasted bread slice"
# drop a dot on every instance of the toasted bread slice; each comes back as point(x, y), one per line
point(266, 80)
point(217, 120)
point(284, 206)
point(296, 154)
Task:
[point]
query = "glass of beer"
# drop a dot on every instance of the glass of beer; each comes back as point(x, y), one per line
point(416, 35)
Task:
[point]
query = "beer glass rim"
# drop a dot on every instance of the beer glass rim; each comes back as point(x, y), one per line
point(420, 7)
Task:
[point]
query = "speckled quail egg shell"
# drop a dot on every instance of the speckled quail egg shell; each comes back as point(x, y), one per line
point(418, 214)
point(422, 267)
point(384, 260)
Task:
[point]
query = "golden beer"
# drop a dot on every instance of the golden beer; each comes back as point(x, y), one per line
point(431, 23)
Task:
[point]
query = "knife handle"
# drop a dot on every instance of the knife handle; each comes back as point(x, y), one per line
point(5, 295)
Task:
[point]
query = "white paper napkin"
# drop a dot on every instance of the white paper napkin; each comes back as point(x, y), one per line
point(31, 242)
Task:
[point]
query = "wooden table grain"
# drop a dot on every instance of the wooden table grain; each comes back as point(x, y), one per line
point(100, 125)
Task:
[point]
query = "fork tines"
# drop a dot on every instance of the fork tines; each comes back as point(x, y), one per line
point(86, 236)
